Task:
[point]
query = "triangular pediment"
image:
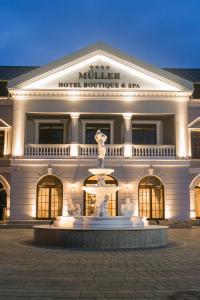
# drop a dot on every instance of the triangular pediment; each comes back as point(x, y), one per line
point(3, 124)
point(99, 67)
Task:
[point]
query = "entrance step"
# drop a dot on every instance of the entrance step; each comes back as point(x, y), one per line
point(23, 223)
point(195, 222)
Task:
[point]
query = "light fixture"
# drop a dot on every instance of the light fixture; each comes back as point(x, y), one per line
point(151, 170)
point(49, 170)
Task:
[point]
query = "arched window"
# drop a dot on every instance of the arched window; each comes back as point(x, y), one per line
point(49, 198)
point(3, 201)
point(197, 199)
point(151, 198)
point(90, 199)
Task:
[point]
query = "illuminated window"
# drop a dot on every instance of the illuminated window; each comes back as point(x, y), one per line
point(2, 137)
point(151, 198)
point(197, 201)
point(3, 201)
point(90, 199)
point(49, 198)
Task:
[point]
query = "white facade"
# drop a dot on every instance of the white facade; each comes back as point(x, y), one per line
point(100, 86)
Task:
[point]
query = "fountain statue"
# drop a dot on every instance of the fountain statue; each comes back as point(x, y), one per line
point(101, 139)
point(101, 231)
point(101, 218)
point(104, 207)
point(127, 209)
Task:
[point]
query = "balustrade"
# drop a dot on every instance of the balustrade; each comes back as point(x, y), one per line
point(91, 151)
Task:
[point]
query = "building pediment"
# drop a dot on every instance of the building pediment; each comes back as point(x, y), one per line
point(99, 67)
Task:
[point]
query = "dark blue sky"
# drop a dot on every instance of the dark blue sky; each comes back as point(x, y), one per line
point(165, 33)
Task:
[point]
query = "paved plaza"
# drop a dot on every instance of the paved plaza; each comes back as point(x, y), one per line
point(30, 272)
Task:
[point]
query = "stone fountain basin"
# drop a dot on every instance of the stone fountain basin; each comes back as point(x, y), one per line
point(101, 190)
point(101, 171)
point(80, 238)
point(92, 222)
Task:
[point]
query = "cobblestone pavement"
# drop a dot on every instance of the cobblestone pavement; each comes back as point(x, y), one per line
point(30, 272)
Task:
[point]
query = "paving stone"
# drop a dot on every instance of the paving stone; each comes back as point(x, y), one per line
point(28, 272)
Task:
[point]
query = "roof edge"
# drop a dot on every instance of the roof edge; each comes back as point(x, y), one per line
point(19, 80)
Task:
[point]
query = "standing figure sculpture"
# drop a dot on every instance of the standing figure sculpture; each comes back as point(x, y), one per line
point(100, 138)
point(104, 207)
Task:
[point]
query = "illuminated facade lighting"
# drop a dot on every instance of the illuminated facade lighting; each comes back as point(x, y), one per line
point(144, 111)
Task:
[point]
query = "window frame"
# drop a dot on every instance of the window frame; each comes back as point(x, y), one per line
point(96, 121)
point(50, 121)
point(146, 186)
point(190, 130)
point(159, 129)
point(6, 130)
point(49, 196)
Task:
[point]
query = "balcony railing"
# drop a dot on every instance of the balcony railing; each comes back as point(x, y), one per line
point(91, 151)
point(47, 151)
point(112, 151)
point(154, 151)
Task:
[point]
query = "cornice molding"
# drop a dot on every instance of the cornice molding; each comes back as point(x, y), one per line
point(6, 101)
point(99, 94)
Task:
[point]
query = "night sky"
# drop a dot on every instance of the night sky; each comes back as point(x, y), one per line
point(165, 33)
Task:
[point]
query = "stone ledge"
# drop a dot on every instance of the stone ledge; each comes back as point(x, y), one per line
point(155, 236)
point(173, 224)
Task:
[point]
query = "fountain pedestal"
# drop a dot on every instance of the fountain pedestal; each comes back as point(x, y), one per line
point(101, 231)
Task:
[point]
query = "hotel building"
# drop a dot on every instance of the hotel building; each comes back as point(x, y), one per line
point(48, 118)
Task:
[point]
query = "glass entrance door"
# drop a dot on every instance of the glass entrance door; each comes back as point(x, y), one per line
point(3, 201)
point(151, 198)
point(197, 201)
point(49, 198)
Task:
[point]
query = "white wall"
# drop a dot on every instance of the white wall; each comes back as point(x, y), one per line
point(24, 183)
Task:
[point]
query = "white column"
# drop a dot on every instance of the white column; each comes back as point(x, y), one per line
point(189, 143)
point(18, 128)
point(74, 134)
point(181, 125)
point(127, 134)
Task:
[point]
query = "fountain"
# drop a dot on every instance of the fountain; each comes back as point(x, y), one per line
point(102, 231)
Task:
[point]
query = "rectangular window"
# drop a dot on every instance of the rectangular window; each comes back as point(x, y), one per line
point(51, 134)
point(2, 138)
point(195, 142)
point(144, 134)
point(91, 129)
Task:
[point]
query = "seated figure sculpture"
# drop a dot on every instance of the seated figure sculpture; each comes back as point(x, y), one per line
point(127, 209)
point(73, 209)
point(77, 210)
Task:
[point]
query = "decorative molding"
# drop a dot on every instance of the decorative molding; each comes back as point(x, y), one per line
point(194, 170)
point(90, 54)
point(6, 101)
point(103, 95)
point(193, 122)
